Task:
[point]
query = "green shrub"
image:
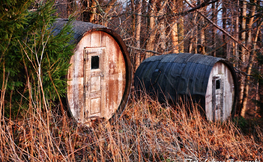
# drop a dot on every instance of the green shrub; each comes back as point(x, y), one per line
point(33, 59)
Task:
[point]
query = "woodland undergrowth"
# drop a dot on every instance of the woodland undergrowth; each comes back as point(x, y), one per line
point(146, 131)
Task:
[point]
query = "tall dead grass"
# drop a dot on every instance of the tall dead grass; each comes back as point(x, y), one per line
point(146, 131)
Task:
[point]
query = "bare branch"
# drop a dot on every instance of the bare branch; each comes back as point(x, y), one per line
point(141, 49)
point(219, 28)
point(204, 4)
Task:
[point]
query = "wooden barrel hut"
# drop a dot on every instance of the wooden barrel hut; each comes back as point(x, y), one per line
point(99, 78)
point(208, 80)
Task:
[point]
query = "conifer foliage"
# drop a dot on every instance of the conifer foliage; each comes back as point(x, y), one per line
point(32, 59)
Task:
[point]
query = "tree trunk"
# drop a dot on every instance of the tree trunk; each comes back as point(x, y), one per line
point(133, 26)
point(202, 37)
point(251, 58)
point(181, 27)
point(201, 29)
point(235, 46)
point(259, 93)
point(162, 29)
point(195, 35)
point(214, 29)
point(93, 12)
point(243, 54)
point(133, 17)
point(224, 17)
point(243, 34)
point(138, 34)
point(152, 28)
point(174, 31)
point(250, 23)
point(174, 37)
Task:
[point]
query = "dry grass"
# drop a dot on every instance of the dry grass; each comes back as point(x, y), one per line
point(146, 131)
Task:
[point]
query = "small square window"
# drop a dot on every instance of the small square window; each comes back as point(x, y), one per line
point(218, 84)
point(95, 62)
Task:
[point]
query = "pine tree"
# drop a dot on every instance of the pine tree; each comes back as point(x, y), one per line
point(31, 55)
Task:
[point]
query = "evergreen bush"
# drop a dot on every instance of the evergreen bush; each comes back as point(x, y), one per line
point(33, 59)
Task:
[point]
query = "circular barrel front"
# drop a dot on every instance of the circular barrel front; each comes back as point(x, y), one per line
point(220, 93)
point(99, 76)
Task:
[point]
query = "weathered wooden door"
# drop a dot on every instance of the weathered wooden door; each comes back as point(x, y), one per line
point(94, 86)
point(217, 97)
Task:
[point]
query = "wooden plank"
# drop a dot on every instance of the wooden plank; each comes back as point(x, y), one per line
point(103, 85)
point(95, 39)
point(70, 97)
point(80, 97)
point(112, 70)
point(71, 69)
point(103, 39)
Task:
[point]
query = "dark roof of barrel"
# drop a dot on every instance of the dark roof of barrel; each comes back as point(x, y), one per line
point(79, 28)
point(174, 74)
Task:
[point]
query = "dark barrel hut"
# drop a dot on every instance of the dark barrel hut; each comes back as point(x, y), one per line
point(208, 80)
point(99, 77)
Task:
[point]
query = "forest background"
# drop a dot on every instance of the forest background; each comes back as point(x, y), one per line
point(34, 126)
point(220, 28)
